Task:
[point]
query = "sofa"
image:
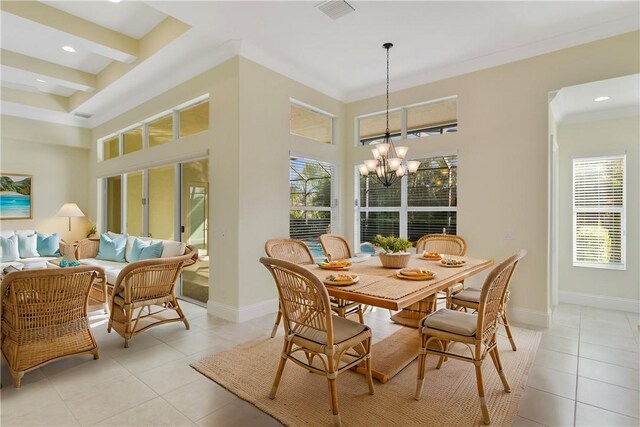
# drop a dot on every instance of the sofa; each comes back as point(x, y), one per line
point(87, 252)
point(30, 249)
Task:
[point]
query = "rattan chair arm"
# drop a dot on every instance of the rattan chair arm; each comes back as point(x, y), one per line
point(86, 248)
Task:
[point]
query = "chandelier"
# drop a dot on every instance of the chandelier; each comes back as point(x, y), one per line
point(388, 161)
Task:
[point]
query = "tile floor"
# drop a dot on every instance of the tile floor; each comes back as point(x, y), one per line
point(585, 373)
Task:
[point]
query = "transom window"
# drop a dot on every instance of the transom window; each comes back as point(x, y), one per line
point(422, 203)
point(311, 123)
point(599, 212)
point(415, 121)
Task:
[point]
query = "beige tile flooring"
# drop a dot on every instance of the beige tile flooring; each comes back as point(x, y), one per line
point(585, 373)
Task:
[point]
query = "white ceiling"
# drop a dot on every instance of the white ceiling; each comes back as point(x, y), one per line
point(575, 104)
point(342, 58)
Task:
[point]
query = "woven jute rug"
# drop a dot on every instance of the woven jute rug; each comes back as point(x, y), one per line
point(449, 397)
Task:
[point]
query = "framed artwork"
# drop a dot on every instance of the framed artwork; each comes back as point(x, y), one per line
point(15, 196)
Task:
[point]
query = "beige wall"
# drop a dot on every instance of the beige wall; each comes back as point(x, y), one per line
point(55, 156)
point(503, 152)
point(593, 139)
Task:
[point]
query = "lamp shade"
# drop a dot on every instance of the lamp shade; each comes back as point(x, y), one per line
point(69, 210)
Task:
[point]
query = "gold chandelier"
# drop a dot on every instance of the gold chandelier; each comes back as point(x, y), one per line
point(388, 161)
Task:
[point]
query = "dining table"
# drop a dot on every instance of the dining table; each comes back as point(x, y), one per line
point(382, 287)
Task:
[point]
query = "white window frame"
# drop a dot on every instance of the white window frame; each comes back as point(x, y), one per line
point(333, 209)
point(404, 207)
point(403, 117)
point(319, 111)
point(611, 209)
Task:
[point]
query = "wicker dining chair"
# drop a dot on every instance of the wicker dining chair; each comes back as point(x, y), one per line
point(444, 244)
point(311, 330)
point(470, 299)
point(44, 317)
point(477, 333)
point(335, 247)
point(144, 285)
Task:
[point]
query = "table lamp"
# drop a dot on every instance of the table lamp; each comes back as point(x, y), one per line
point(69, 210)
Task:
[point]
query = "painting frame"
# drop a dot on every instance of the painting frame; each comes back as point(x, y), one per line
point(16, 196)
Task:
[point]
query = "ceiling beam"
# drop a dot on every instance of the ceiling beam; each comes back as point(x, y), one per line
point(42, 100)
point(63, 76)
point(83, 34)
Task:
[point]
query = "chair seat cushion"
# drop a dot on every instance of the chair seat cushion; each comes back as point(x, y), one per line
point(343, 330)
point(471, 295)
point(455, 322)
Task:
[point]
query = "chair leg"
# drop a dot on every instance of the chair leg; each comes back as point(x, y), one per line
point(17, 379)
point(368, 366)
point(283, 360)
point(361, 314)
point(180, 313)
point(444, 347)
point(495, 356)
point(333, 391)
point(483, 402)
point(274, 331)
point(508, 329)
point(422, 360)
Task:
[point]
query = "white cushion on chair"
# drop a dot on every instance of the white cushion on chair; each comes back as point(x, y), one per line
point(455, 322)
point(471, 295)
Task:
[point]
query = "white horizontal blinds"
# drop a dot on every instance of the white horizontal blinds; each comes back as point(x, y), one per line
point(432, 197)
point(310, 185)
point(599, 211)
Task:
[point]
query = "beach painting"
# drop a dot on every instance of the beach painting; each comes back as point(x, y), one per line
point(15, 196)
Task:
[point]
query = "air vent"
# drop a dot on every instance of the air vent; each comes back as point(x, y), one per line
point(335, 9)
point(83, 115)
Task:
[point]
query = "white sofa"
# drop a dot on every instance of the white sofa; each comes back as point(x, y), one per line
point(29, 262)
point(86, 251)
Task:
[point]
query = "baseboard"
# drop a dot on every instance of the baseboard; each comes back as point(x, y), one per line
point(600, 301)
point(525, 316)
point(242, 314)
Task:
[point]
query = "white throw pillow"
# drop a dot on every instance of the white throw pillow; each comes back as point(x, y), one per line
point(7, 233)
point(26, 232)
point(28, 245)
point(171, 248)
point(9, 249)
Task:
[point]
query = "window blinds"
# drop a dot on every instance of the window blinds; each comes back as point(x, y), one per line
point(599, 211)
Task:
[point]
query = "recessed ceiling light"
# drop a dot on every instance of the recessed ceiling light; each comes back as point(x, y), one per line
point(68, 49)
point(602, 98)
point(114, 1)
point(41, 81)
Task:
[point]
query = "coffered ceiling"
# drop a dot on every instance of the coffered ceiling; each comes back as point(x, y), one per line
point(130, 51)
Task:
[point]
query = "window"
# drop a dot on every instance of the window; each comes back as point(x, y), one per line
point(311, 208)
point(416, 121)
point(190, 118)
point(599, 212)
point(113, 194)
point(309, 123)
point(422, 203)
point(194, 119)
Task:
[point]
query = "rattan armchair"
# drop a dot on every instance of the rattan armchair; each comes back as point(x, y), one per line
point(148, 284)
point(443, 244)
point(477, 333)
point(44, 317)
point(312, 331)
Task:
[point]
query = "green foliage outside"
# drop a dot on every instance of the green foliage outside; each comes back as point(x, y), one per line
point(20, 187)
point(392, 244)
point(595, 244)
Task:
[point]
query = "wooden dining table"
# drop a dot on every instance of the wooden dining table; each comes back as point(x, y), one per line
point(381, 287)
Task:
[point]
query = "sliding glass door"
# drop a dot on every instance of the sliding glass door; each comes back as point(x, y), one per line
point(168, 202)
point(195, 224)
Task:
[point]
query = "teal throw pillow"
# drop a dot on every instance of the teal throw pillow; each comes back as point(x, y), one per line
point(9, 246)
point(111, 249)
point(145, 250)
point(28, 246)
point(48, 245)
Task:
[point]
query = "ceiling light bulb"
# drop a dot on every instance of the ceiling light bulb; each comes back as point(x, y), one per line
point(413, 165)
point(114, 1)
point(41, 81)
point(371, 164)
point(68, 49)
point(383, 149)
point(602, 98)
point(364, 170)
point(402, 151)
